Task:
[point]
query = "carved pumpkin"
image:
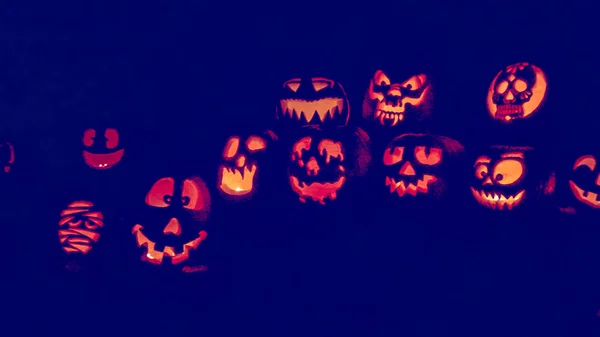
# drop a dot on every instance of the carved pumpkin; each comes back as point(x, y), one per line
point(173, 229)
point(7, 156)
point(516, 92)
point(314, 101)
point(79, 227)
point(585, 180)
point(416, 163)
point(102, 148)
point(503, 178)
point(239, 169)
point(390, 103)
point(321, 162)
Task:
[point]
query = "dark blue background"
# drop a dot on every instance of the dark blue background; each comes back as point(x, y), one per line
point(177, 76)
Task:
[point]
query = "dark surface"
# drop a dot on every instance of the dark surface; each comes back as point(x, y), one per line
point(177, 77)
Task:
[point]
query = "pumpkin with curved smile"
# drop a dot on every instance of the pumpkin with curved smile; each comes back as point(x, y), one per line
point(313, 101)
point(516, 92)
point(174, 229)
point(102, 148)
point(7, 155)
point(389, 103)
point(585, 181)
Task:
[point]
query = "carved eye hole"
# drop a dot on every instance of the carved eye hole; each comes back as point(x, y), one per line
point(508, 172)
point(381, 79)
point(112, 138)
point(161, 193)
point(501, 87)
point(320, 83)
point(481, 171)
point(88, 137)
point(519, 85)
point(391, 158)
point(231, 147)
point(414, 83)
point(256, 143)
point(588, 161)
point(434, 156)
point(191, 196)
point(293, 84)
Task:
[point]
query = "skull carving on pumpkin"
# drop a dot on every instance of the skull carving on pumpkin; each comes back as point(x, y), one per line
point(238, 172)
point(415, 164)
point(516, 92)
point(390, 103)
point(313, 101)
point(103, 149)
point(173, 229)
point(79, 227)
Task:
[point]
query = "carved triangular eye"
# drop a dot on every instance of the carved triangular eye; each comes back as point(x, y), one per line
point(293, 84)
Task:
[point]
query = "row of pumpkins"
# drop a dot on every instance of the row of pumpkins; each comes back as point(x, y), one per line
point(326, 153)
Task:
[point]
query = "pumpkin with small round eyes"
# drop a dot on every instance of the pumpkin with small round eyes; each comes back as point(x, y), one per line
point(506, 177)
point(392, 102)
point(173, 228)
point(79, 227)
point(321, 162)
point(240, 169)
point(7, 156)
point(419, 165)
point(517, 92)
point(315, 101)
point(102, 148)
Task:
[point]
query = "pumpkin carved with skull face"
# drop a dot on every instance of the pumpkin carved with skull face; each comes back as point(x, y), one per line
point(178, 208)
point(313, 101)
point(239, 170)
point(102, 148)
point(389, 103)
point(7, 156)
point(415, 164)
point(321, 162)
point(503, 178)
point(516, 92)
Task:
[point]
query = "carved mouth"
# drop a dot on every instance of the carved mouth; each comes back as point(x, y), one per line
point(237, 181)
point(509, 112)
point(389, 117)
point(586, 197)
point(325, 108)
point(156, 257)
point(102, 161)
point(317, 191)
point(76, 240)
point(402, 189)
point(495, 200)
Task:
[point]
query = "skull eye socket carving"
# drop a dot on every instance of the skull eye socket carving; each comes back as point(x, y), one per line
point(255, 143)
point(381, 79)
point(502, 86)
point(508, 172)
point(231, 147)
point(161, 193)
point(434, 156)
point(391, 158)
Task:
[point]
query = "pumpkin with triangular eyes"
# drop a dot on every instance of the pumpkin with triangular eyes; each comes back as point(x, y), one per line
point(102, 148)
point(174, 225)
point(506, 177)
point(517, 92)
point(420, 165)
point(315, 101)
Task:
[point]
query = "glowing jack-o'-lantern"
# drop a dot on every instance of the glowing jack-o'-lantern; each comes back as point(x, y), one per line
point(7, 156)
point(313, 101)
point(390, 103)
point(102, 148)
point(585, 181)
point(79, 227)
point(503, 179)
point(174, 230)
point(516, 92)
point(238, 172)
point(415, 164)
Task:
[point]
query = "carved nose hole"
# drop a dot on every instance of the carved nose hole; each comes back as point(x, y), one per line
point(312, 167)
point(407, 169)
point(173, 227)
